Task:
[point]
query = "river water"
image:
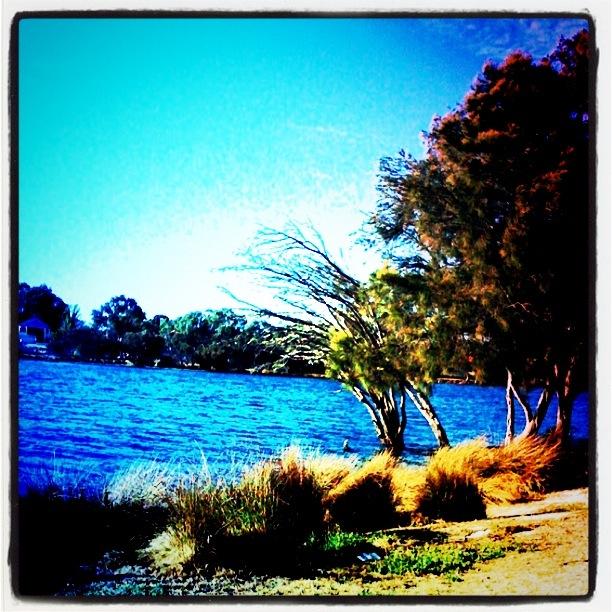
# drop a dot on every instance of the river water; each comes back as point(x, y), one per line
point(88, 421)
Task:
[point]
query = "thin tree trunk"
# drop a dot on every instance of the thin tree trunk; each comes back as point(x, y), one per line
point(565, 395)
point(361, 396)
point(402, 425)
point(427, 410)
point(510, 416)
point(386, 416)
point(532, 426)
point(523, 403)
point(533, 419)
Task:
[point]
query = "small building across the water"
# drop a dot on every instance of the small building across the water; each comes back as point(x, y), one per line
point(34, 330)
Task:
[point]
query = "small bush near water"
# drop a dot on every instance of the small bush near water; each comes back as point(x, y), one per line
point(461, 480)
point(365, 498)
point(261, 520)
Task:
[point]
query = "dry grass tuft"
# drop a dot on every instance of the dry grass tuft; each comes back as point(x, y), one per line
point(146, 483)
point(283, 495)
point(365, 498)
point(330, 470)
point(472, 474)
point(171, 550)
point(451, 496)
point(407, 481)
point(267, 514)
point(519, 471)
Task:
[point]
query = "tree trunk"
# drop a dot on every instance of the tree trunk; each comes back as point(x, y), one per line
point(565, 395)
point(388, 416)
point(533, 419)
point(387, 411)
point(510, 416)
point(532, 426)
point(424, 406)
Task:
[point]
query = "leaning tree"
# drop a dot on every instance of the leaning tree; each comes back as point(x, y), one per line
point(357, 327)
point(496, 218)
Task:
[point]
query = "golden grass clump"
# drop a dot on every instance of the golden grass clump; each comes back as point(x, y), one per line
point(365, 498)
point(518, 471)
point(460, 480)
point(283, 494)
point(450, 488)
point(171, 550)
point(269, 513)
point(407, 481)
point(330, 470)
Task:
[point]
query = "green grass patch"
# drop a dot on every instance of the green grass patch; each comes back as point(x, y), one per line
point(339, 540)
point(439, 559)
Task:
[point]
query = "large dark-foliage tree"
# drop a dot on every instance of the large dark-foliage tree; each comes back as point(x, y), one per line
point(117, 317)
point(495, 220)
point(120, 323)
point(41, 302)
point(351, 323)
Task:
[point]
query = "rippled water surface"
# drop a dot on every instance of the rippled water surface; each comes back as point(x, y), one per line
point(93, 420)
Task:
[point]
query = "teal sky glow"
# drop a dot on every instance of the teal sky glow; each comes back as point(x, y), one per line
point(151, 150)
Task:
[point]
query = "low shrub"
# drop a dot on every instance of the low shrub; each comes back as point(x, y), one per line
point(406, 482)
point(449, 496)
point(261, 520)
point(365, 498)
point(459, 481)
point(518, 471)
point(281, 498)
point(329, 470)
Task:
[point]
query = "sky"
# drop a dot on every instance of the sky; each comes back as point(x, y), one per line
point(152, 150)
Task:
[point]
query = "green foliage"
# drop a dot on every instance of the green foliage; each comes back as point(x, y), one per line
point(41, 302)
point(337, 540)
point(439, 559)
point(218, 340)
point(397, 345)
point(495, 219)
point(117, 317)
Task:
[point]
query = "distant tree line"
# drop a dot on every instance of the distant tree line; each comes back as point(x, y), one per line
point(216, 340)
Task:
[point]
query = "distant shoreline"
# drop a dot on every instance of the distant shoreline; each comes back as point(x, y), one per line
point(57, 359)
point(442, 380)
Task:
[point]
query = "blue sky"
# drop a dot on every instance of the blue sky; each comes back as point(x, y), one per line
point(151, 150)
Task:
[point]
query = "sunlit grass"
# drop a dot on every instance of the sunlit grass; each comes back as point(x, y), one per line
point(279, 510)
point(365, 498)
point(338, 540)
point(273, 508)
point(439, 559)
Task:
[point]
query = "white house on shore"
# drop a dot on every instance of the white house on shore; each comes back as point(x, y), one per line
point(34, 331)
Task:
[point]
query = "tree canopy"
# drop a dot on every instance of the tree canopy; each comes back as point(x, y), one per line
point(41, 302)
point(495, 221)
point(354, 324)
